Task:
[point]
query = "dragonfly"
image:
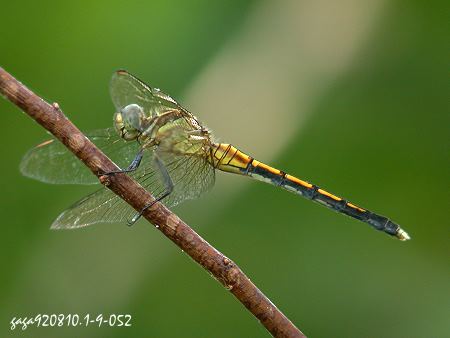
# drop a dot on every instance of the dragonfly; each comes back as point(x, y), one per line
point(169, 152)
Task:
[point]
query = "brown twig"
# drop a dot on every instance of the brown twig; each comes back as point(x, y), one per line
point(222, 268)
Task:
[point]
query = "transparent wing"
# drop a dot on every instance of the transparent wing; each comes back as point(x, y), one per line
point(191, 175)
point(52, 162)
point(126, 89)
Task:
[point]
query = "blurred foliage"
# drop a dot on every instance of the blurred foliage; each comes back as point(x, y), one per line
point(378, 137)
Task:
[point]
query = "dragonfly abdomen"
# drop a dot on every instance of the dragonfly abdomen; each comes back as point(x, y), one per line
point(228, 158)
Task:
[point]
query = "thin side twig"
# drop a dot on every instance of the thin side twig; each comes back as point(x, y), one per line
point(222, 268)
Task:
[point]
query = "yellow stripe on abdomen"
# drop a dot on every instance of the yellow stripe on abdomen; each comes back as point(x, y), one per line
point(227, 158)
point(299, 181)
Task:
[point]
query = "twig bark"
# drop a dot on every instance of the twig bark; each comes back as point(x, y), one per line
point(222, 268)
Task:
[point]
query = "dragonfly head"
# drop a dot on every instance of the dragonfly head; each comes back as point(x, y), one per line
point(129, 122)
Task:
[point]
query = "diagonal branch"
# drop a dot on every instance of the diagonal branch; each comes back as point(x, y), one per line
point(222, 268)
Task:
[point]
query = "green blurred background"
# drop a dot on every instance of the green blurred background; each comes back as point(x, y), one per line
point(350, 95)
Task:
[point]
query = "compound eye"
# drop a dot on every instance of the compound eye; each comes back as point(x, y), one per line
point(133, 117)
point(129, 122)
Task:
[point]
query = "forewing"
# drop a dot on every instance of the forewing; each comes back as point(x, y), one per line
point(127, 89)
point(52, 162)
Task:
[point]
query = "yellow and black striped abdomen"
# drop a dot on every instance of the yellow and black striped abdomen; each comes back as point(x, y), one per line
point(227, 158)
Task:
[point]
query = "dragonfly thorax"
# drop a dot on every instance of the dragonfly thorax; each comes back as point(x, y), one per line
point(129, 122)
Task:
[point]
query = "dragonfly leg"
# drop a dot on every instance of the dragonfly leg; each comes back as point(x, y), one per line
point(133, 165)
point(167, 182)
